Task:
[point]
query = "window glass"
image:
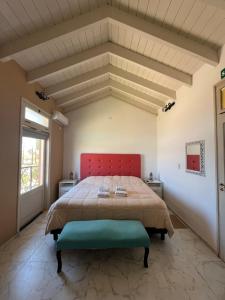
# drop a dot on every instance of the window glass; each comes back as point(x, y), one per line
point(32, 162)
point(36, 117)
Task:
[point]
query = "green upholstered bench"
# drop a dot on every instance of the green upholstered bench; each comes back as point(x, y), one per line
point(102, 234)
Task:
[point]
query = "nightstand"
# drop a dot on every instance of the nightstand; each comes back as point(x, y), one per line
point(65, 185)
point(156, 186)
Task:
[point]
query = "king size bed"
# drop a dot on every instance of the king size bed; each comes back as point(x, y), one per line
point(110, 170)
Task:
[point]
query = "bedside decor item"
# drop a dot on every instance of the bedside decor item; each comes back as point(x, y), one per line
point(65, 185)
point(195, 157)
point(150, 176)
point(71, 176)
point(156, 186)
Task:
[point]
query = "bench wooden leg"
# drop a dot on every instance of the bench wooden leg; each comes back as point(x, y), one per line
point(162, 236)
point(55, 236)
point(146, 257)
point(59, 259)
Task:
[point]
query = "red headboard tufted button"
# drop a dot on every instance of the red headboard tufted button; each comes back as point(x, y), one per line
point(110, 164)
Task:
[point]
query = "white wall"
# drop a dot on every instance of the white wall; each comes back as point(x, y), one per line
point(110, 126)
point(193, 197)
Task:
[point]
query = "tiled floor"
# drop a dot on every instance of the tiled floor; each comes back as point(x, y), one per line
point(180, 268)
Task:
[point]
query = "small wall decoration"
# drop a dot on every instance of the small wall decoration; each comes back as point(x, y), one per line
point(195, 157)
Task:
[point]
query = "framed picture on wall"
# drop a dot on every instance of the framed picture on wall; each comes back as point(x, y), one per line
point(195, 157)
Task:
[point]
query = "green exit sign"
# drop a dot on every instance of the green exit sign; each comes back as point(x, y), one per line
point(223, 73)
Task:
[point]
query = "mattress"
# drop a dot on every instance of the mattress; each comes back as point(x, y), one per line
point(82, 203)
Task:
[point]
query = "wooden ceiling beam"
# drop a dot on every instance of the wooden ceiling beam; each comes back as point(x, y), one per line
point(99, 95)
point(50, 33)
point(105, 14)
point(76, 81)
point(134, 102)
point(112, 49)
point(153, 31)
point(86, 77)
point(131, 91)
point(74, 97)
point(167, 92)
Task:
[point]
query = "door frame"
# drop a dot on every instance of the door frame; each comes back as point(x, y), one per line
point(218, 111)
point(46, 200)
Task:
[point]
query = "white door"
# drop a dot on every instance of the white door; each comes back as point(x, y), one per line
point(221, 165)
point(32, 175)
point(32, 180)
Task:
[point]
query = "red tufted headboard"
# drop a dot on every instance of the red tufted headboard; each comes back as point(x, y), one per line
point(93, 164)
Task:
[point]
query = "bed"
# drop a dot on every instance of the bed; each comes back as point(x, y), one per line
point(111, 170)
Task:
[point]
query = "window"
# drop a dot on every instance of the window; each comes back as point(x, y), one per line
point(36, 117)
point(32, 162)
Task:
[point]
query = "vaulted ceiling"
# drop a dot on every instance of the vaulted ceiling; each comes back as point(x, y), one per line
point(139, 51)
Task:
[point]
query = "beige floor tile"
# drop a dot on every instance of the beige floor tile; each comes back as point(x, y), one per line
point(179, 268)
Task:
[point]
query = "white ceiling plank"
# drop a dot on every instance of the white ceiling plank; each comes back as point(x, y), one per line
point(12, 19)
point(151, 64)
point(66, 63)
point(161, 34)
point(173, 10)
point(99, 95)
point(133, 101)
point(142, 82)
point(106, 93)
point(193, 17)
point(162, 10)
point(182, 14)
point(65, 9)
point(69, 62)
point(131, 91)
point(217, 3)
point(33, 13)
point(142, 7)
point(146, 29)
point(74, 97)
point(74, 25)
point(81, 79)
point(74, 7)
point(55, 11)
point(84, 5)
point(152, 8)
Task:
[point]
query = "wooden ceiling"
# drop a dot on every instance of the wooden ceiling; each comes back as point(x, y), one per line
point(140, 51)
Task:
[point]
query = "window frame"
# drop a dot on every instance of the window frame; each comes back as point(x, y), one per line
point(31, 124)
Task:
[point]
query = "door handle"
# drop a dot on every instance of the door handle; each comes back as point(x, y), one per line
point(221, 187)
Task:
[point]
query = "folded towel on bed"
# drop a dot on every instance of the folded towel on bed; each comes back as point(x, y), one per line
point(103, 192)
point(121, 191)
point(120, 188)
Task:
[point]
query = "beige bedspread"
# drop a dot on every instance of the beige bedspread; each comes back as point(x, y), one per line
point(82, 203)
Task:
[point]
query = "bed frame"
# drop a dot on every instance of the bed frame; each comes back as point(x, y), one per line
point(95, 164)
